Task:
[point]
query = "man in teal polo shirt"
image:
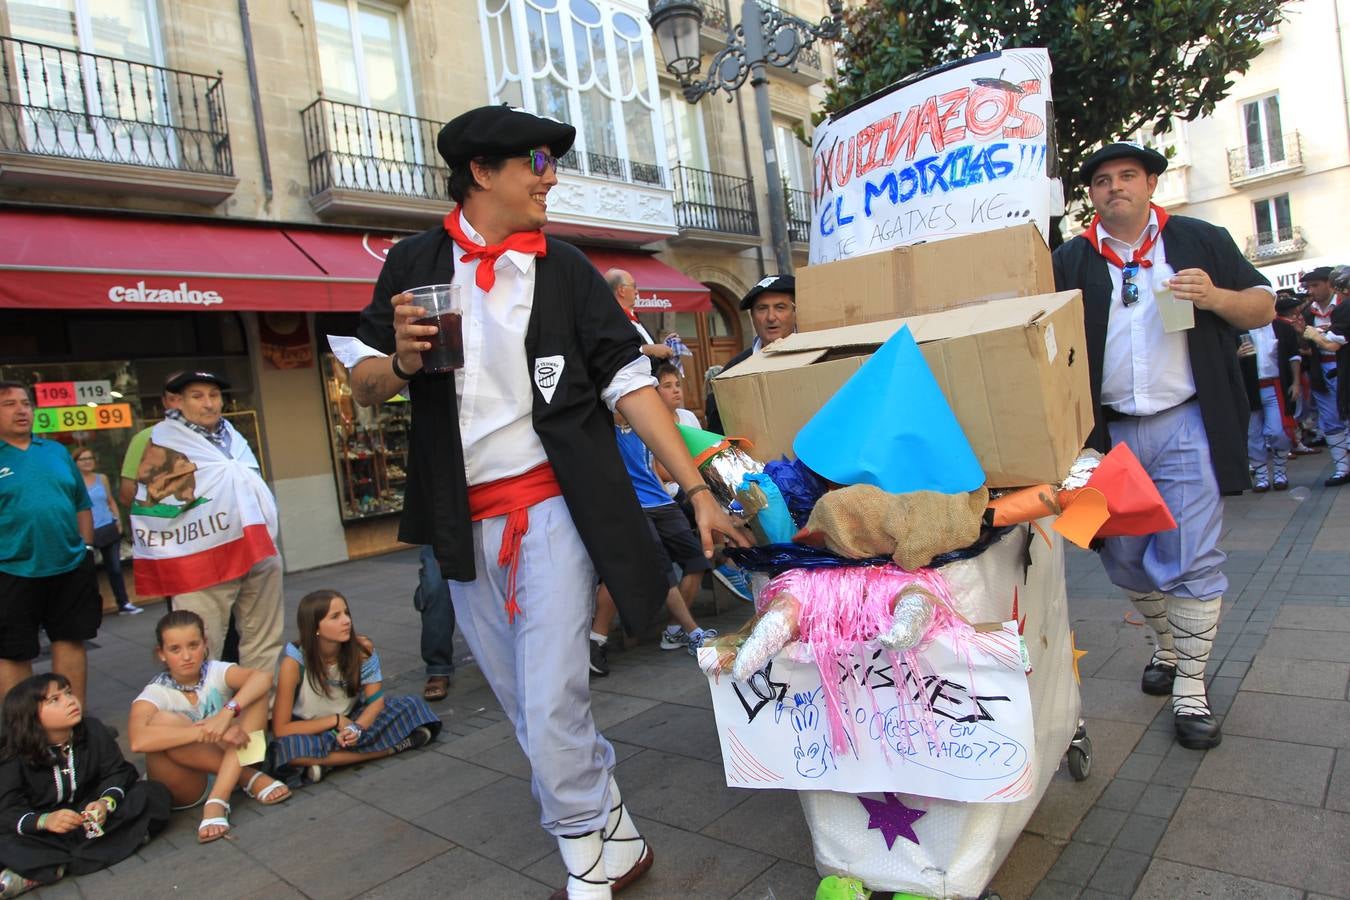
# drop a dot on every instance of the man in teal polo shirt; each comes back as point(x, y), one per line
point(47, 575)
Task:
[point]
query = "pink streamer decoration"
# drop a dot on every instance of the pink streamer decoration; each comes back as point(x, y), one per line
point(843, 607)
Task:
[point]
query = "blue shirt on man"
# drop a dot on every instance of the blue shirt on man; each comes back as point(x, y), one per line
point(637, 460)
point(41, 491)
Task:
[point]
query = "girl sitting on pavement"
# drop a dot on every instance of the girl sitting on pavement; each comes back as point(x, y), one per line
point(191, 720)
point(69, 802)
point(331, 709)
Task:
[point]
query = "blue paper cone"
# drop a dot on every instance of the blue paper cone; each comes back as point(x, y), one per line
point(890, 426)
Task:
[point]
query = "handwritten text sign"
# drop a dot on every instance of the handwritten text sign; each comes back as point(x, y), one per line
point(958, 151)
point(775, 732)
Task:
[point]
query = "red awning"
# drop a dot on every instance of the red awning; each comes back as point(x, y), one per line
point(95, 261)
point(661, 288)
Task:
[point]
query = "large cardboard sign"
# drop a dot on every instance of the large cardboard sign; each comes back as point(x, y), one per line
point(975, 746)
point(962, 150)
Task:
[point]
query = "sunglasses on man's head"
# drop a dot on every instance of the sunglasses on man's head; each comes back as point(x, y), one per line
point(1129, 291)
point(541, 162)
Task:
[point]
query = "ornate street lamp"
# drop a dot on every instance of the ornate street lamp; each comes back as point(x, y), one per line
point(772, 38)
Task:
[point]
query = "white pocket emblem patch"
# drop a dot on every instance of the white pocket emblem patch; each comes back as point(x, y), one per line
point(547, 371)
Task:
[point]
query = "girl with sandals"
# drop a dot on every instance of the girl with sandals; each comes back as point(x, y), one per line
point(331, 709)
point(193, 717)
point(69, 801)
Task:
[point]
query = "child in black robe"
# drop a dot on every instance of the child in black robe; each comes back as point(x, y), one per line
point(69, 802)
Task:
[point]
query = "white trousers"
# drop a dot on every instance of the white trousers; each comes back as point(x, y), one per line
point(539, 666)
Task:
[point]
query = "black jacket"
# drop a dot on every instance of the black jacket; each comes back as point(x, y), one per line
point(1189, 243)
point(575, 317)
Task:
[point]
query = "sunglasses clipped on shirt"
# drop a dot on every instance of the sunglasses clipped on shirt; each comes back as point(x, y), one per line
point(541, 162)
point(1129, 291)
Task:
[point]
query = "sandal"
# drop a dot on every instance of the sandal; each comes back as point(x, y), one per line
point(437, 688)
point(263, 795)
point(223, 821)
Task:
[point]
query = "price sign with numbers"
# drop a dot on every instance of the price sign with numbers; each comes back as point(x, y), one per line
point(81, 418)
point(69, 393)
point(55, 393)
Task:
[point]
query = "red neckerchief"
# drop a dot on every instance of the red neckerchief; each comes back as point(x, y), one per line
point(1140, 254)
point(632, 316)
point(522, 241)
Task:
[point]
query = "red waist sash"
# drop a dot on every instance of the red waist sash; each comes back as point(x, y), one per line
point(512, 497)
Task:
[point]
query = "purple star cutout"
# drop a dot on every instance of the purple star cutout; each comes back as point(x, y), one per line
point(892, 817)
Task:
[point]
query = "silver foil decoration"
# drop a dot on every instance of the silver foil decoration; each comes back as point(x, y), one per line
point(726, 470)
point(912, 615)
point(1081, 470)
point(774, 631)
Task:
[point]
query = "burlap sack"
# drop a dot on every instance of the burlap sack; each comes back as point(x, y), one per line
point(862, 521)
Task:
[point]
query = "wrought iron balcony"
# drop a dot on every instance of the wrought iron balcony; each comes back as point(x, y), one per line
point(56, 102)
point(1266, 159)
point(716, 17)
point(711, 201)
point(353, 148)
point(613, 168)
point(1269, 247)
point(799, 215)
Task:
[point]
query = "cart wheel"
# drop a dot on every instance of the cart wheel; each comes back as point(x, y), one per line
point(1080, 759)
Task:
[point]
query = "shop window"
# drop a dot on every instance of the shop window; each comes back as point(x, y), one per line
point(370, 444)
point(49, 335)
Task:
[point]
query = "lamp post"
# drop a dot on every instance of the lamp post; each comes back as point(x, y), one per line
point(766, 37)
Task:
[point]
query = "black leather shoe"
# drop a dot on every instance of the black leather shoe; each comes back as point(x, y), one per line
point(1197, 732)
point(1338, 480)
point(1157, 680)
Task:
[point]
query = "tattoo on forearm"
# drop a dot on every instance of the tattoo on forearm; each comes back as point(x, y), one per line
point(367, 390)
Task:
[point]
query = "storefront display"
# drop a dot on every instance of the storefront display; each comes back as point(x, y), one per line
point(370, 447)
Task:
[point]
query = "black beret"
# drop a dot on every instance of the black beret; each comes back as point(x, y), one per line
point(779, 284)
point(1285, 302)
point(1321, 273)
point(1154, 162)
point(501, 131)
point(175, 383)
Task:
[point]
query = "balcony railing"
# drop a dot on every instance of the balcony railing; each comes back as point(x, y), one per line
point(716, 16)
point(354, 148)
point(799, 215)
point(65, 103)
point(613, 168)
point(1266, 158)
point(1268, 247)
point(711, 201)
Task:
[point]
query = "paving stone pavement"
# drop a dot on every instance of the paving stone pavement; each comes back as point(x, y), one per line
point(1265, 815)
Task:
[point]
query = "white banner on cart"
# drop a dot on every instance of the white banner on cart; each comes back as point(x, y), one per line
point(963, 150)
point(775, 733)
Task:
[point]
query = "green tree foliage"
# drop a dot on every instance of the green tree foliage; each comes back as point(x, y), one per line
point(1119, 65)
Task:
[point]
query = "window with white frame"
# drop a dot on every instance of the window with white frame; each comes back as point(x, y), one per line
point(794, 165)
point(90, 105)
point(1274, 223)
point(367, 86)
point(1263, 132)
point(587, 62)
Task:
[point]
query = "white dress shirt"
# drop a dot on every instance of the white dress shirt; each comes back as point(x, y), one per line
point(1323, 319)
point(495, 393)
point(1267, 352)
point(1145, 370)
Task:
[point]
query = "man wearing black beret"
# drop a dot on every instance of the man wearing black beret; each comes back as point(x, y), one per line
point(514, 477)
point(1176, 398)
point(772, 304)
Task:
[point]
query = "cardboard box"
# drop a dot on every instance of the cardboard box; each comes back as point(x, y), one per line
point(922, 278)
point(1014, 371)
